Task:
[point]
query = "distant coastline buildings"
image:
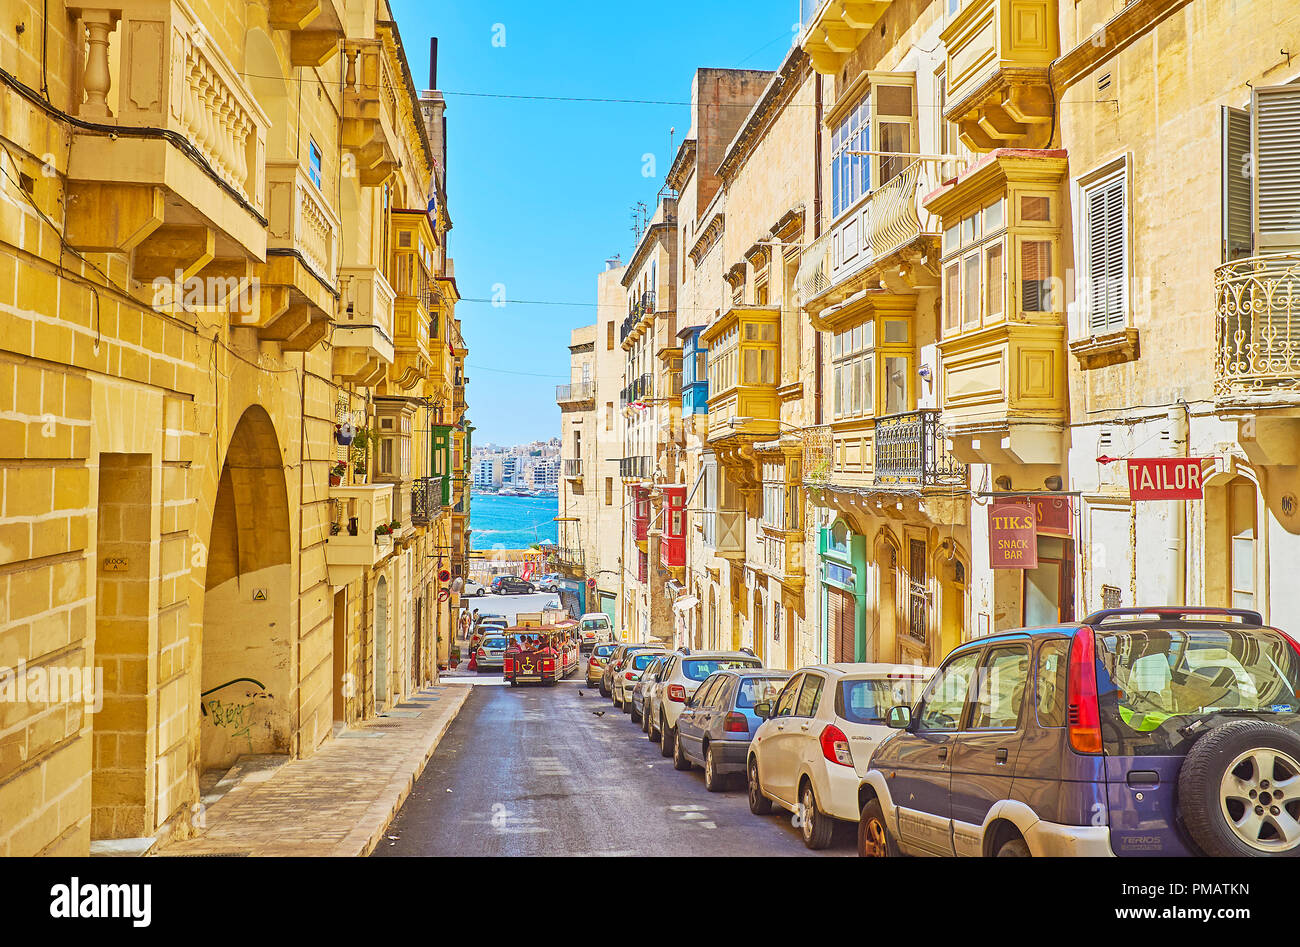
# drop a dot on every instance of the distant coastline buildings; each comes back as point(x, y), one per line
point(522, 468)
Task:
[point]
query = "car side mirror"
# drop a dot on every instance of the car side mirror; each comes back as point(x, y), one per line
point(900, 717)
point(763, 709)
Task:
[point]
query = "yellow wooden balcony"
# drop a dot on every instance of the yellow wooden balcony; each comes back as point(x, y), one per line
point(999, 53)
point(724, 533)
point(182, 181)
point(363, 330)
point(743, 374)
point(833, 28)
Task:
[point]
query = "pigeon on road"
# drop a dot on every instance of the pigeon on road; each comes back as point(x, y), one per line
point(599, 713)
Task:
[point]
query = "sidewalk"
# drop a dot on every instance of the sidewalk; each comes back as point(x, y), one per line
point(339, 801)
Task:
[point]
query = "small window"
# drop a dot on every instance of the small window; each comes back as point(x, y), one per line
point(1051, 682)
point(943, 704)
point(785, 703)
point(1036, 276)
point(1000, 689)
point(809, 695)
point(314, 162)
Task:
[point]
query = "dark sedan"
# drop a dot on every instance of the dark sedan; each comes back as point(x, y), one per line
point(511, 585)
point(718, 721)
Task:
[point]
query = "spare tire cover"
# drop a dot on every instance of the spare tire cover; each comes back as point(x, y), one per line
point(1239, 790)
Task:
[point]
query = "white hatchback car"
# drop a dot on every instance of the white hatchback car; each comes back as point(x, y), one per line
point(813, 749)
point(685, 671)
point(595, 628)
point(624, 681)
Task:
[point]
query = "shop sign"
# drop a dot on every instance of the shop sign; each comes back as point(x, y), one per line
point(1052, 516)
point(1165, 478)
point(1013, 535)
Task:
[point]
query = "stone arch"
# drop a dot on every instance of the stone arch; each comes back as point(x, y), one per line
point(950, 566)
point(1226, 494)
point(265, 75)
point(246, 642)
point(757, 619)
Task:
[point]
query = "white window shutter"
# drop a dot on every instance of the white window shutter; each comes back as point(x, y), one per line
point(1275, 117)
point(1238, 206)
point(1106, 247)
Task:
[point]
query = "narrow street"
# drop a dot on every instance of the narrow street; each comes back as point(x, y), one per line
point(559, 771)
point(536, 771)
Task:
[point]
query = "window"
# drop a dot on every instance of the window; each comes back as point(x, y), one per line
point(856, 354)
point(609, 336)
point(1241, 549)
point(850, 174)
point(1276, 166)
point(609, 415)
point(1000, 689)
point(1238, 200)
point(1105, 253)
point(974, 269)
point(314, 162)
point(1036, 276)
point(609, 491)
point(785, 703)
point(943, 704)
point(1052, 667)
point(809, 695)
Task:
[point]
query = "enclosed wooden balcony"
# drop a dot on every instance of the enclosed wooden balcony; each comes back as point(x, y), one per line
point(744, 352)
point(363, 331)
point(833, 28)
point(184, 168)
point(999, 53)
point(724, 533)
point(353, 546)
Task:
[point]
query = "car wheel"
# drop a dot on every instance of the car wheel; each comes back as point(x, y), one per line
point(604, 691)
point(636, 714)
point(666, 738)
point(712, 780)
point(651, 733)
point(1228, 790)
point(680, 762)
point(1013, 848)
point(874, 840)
point(644, 721)
point(816, 826)
point(759, 804)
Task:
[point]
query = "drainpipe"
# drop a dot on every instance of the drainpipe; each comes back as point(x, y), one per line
point(817, 232)
point(1178, 435)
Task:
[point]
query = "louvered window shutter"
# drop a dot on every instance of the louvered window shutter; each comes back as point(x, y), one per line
point(1238, 212)
point(1106, 238)
point(1275, 112)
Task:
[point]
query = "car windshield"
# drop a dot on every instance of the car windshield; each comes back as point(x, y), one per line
point(868, 701)
point(697, 669)
point(603, 650)
point(1153, 683)
point(642, 660)
point(494, 642)
point(592, 623)
point(755, 690)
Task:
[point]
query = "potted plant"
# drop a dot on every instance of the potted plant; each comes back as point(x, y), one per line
point(383, 529)
point(337, 472)
point(344, 434)
point(336, 528)
point(359, 468)
point(394, 526)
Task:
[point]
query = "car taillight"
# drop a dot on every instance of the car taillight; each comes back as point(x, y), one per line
point(677, 693)
point(735, 723)
point(547, 664)
point(482, 653)
point(835, 745)
point(1295, 645)
point(628, 675)
point(1083, 711)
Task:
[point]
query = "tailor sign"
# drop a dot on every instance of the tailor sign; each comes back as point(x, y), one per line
point(1165, 478)
point(1013, 535)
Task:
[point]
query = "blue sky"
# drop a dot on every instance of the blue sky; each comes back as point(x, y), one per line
point(540, 192)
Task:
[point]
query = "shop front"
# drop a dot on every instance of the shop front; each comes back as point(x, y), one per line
point(843, 576)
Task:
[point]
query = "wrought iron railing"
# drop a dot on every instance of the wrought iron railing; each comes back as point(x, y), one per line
point(910, 449)
point(426, 499)
point(1257, 331)
point(570, 557)
point(578, 391)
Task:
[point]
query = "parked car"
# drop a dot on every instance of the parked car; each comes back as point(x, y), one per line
point(596, 663)
point(625, 679)
point(636, 704)
point(472, 589)
point(491, 652)
point(716, 725)
point(511, 585)
point(685, 672)
point(816, 740)
point(487, 625)
point(595, 628)
point(548, 583)
point(1140, 731)
point(615, 662)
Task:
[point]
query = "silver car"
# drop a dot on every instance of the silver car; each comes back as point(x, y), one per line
point(491, 653)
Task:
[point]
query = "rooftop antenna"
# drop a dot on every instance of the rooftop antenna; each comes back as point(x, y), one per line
point(639, 214)
point(667, 190)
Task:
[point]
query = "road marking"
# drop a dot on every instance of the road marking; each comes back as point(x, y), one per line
point(549, 766)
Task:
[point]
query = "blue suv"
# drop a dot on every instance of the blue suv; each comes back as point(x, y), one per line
point(1141, 731)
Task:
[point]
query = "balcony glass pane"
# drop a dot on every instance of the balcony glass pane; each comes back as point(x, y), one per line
point(896, 385)
point(951, 298)
point(970, 289)
point(1035, 275)
point(993, 274)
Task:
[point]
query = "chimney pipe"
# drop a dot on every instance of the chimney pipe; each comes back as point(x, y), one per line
point(433, 62)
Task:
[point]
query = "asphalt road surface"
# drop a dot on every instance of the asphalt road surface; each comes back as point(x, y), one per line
point(534, 770)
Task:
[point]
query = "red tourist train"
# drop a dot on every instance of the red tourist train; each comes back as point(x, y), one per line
point(546, 654)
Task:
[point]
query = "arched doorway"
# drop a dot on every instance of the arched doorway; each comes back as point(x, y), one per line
point(381, 643)
point(887, 613)
point(245, 647)
point(760, 630)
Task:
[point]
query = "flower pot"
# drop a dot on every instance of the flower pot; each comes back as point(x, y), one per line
point(344, 440)
point(335, 480)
